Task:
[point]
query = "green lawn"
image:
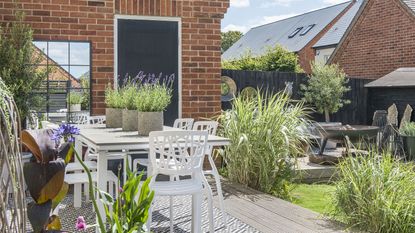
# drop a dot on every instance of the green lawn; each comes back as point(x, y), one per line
point(316, 197)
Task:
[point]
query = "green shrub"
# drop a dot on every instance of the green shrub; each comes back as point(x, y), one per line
point(408, 129)
point(113, 98)
point(325, 88)
point(129, 93)
point(153, 97)
point(75, 98)
point(265, 133)
point(275, 59)
point(18, 64)
point(376, 193)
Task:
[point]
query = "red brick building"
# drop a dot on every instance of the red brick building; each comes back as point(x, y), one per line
point(199, 61)
point(380, 40)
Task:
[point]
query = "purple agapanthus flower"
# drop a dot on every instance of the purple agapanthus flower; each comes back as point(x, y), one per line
point(65, 132)
point(80, 223)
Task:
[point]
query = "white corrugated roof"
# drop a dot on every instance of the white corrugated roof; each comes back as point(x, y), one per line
point(259, 38)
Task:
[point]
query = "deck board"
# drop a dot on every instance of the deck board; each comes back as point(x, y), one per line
point(270, 214)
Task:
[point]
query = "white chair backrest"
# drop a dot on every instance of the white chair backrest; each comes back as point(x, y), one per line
point(96, 120)
point(184, 123)
point(32, 120)
point(80, 118)
point(177, 152)
point(210, 126)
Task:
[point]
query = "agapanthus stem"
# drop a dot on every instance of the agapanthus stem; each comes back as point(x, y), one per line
point(91, 192)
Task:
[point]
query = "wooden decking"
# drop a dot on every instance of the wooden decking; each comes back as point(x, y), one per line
point(272, 215)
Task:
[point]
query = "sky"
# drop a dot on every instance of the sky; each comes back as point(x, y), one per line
point(245, 14)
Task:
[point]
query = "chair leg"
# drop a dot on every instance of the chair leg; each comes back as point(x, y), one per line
point(172, 178)
point(150, 215)
point(215, 174)
point(77, 196)
point(210, 209)
point(196, 213)
point(86, 190)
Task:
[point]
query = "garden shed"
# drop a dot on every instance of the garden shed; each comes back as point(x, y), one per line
point(397, 87)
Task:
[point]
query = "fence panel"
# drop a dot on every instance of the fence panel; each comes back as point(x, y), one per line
point(353, 113)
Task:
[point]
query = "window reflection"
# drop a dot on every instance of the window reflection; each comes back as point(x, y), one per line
point(68, 67)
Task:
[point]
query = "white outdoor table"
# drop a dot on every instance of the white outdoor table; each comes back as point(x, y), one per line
point(104, 139)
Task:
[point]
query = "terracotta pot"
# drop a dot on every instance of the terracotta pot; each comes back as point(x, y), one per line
point(149, 121)
point(129, 120)
point(113, 117)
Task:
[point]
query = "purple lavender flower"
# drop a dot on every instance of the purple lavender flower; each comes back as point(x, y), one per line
point(80, 223)
point(120, 190)
point(65, 132)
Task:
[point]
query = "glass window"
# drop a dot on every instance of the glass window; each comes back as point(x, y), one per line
point(295, 32)
point(307, 29)
point(68, 67)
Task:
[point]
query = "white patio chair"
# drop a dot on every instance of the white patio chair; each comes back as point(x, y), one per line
point(175, 154)
point(79, 179)
point(93, 120)
point(80, 118)
point(183, 123)
point(180, 123)
point(211, 127)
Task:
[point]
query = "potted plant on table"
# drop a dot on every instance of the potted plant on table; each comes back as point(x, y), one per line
point(151, 100)
point(113, 112)
point(129, 113)
point(75, 100)
point(407, 133)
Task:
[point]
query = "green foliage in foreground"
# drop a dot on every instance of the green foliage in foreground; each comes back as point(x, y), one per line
point(315, 197)
point(376, 194)
point(325, 88)
point(130, 209)
point(408, 129)
point(275, 59)
point(265, 134)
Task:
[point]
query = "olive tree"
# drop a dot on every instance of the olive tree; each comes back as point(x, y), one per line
point(325, 89)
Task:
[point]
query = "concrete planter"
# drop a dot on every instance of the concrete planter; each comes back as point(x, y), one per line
point(149, 121)
point(129, 120)
point(75, 108)
point(409, 147)
point(113, 117)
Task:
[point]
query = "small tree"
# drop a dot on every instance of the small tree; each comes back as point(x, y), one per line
point(275, 59)
point(229, 38)
point(325, 88)
point(18, 63)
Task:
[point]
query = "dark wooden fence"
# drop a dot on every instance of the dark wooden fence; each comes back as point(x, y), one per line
point(353, 113)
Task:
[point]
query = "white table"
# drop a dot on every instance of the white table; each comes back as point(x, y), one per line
point(104, 139)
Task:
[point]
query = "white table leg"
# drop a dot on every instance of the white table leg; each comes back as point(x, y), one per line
point(196, 213)
point(102, 165)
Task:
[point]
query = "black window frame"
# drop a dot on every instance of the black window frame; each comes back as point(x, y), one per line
point(69, 87)
point(307, 29)
point(295, 32)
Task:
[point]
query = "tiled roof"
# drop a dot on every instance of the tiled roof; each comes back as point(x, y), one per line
point(402, 77)
point(410, 3)
point(259, 38)
point(334, 35)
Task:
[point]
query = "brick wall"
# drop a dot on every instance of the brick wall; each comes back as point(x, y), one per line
point(308, 53)
point(382, 40)
point(93, 21)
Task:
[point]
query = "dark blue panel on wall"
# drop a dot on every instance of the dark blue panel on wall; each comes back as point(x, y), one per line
point(152, 47)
